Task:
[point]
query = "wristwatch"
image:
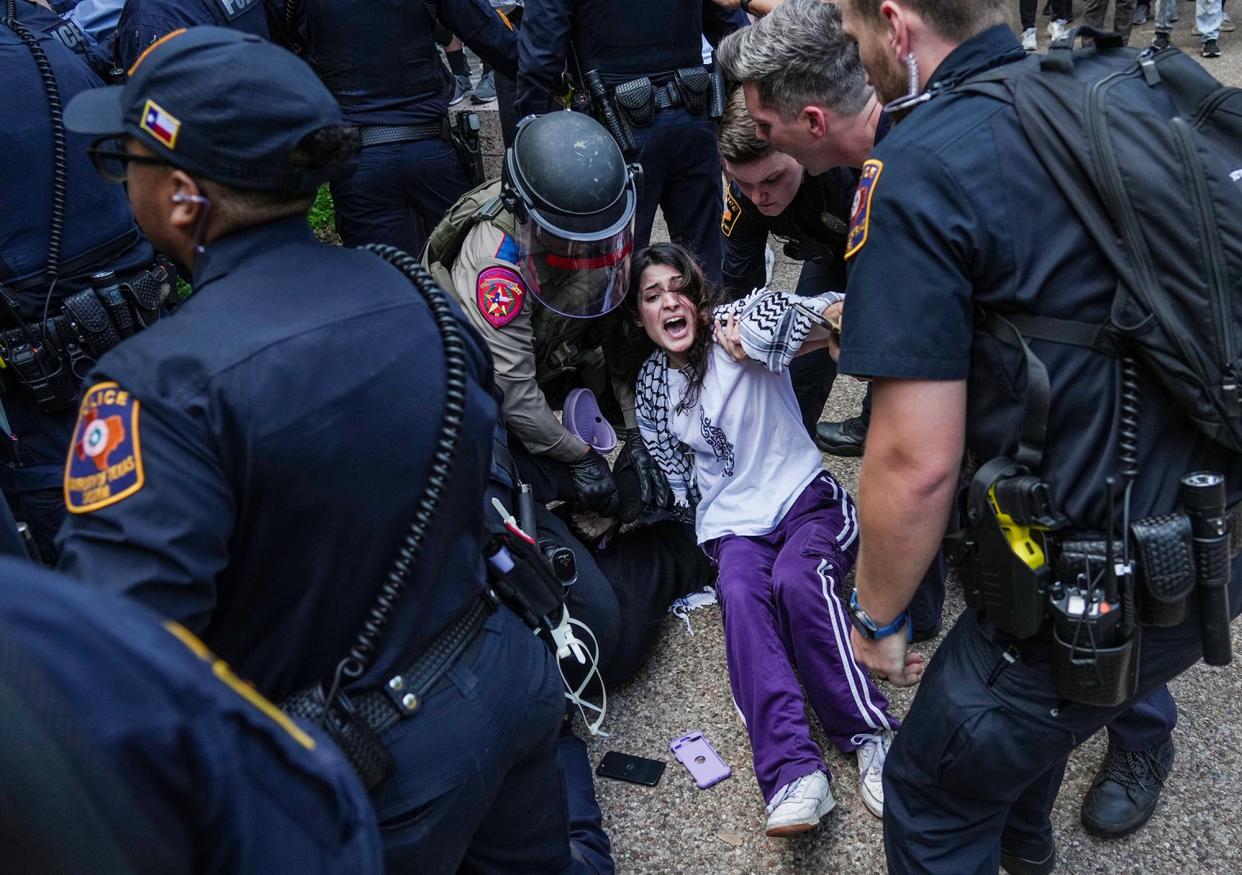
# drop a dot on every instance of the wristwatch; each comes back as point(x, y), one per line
point(869, 628)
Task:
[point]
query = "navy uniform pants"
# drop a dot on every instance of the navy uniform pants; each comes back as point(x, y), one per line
point(397, 193)
point(981, 755)
point(681, 176)
point(478, 786)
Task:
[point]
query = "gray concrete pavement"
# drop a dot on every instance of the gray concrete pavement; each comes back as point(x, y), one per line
point(675, 827)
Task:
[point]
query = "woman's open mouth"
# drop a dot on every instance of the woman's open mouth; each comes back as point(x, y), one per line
point(677, 327)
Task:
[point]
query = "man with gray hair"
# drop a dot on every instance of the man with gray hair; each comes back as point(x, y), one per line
point(808, 99)
point(805, 86)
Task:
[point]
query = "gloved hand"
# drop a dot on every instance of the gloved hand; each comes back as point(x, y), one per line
point(641, 483)
point(594, 488)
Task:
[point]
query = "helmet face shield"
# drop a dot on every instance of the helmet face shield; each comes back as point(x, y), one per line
point(577, 278)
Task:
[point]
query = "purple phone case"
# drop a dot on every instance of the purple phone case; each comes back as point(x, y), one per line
point(696, 753)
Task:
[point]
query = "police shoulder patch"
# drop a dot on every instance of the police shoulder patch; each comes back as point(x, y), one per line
point(732, 212)
point(860, 212)
point(105, 457)
point(499, 294)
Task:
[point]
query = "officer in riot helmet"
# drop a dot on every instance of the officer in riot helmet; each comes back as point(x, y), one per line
point(638, 67)
point(537, 260)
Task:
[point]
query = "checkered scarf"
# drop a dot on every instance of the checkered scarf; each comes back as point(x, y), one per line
point(772, 330)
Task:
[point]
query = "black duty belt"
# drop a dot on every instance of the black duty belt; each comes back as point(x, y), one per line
point(402, 694)
point(667, 96)
point(88, 262)
point(377, 135)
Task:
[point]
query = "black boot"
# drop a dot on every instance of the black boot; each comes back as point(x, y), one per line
point(842, 438)
point(1126, 789)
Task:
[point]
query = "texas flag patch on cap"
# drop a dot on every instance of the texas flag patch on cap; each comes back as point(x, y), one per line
point(160, 123)
point(105, 458)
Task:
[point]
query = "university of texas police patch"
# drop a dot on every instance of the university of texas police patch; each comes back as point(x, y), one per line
point(499, 293)
point(105, 458)
point(860, 212)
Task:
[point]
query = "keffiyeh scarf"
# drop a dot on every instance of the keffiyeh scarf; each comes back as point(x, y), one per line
point(772, 328)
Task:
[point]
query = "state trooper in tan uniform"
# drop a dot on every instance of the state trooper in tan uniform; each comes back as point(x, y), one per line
point(535, 259)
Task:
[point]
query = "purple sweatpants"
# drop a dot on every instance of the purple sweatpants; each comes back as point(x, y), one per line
point(783, 611)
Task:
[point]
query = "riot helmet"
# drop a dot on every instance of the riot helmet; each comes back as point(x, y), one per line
point(573, 198)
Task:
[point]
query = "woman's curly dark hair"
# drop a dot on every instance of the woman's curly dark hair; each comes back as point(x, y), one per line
point(637, 346)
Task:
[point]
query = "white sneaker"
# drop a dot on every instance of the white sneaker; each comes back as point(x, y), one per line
point(872, 751)
point(1030, 39)
point(799, 805)
point(1058, 29)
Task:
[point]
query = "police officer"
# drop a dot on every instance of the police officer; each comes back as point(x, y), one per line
point(130, 747)
point(650, 51)
point(252, 469)
point(142, 22)
point(70, 225)
point(380, 61)
point(535, 260)
point(1127, 787)
point(973, 775)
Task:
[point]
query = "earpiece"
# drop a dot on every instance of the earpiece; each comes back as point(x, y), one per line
point(180, 198)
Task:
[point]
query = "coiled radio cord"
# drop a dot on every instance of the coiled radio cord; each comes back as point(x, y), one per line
point(60, 149)
point(365, 645)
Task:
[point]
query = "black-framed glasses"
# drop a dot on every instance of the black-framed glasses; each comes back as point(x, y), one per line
point(112, 159)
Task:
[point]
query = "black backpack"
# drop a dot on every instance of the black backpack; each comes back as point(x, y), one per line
point(1147, 147)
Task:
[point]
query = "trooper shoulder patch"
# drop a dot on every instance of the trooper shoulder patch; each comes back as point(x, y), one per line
point(860, 212)
point(499, 293)
point(105, 457)
point(732, 212)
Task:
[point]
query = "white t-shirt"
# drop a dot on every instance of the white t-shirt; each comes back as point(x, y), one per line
point(752, 456)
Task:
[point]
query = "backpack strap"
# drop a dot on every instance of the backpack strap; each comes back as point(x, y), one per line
point(483, 203)
point(1067, 331)
point(1038, 391)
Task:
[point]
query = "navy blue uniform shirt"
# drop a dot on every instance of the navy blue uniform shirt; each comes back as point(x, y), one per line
point(144, 21)
point(814, 224)
point(97, 215)
point(99, 229)
point(623, 39)
point(379, 57)
point(250, 466)
point(958, 212)
point(178, 765)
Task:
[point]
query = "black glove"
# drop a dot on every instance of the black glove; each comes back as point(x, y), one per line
point(641, 483)
point(594, 488)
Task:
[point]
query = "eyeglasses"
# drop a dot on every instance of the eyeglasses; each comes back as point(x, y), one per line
point(112, 159)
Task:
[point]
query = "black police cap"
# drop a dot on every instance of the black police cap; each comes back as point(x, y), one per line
point(228, 106)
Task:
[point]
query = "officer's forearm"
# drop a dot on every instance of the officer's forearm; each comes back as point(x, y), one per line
point(529, 418)
point(905, 491)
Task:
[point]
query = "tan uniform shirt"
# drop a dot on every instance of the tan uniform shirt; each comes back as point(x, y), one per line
point(483, 279)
